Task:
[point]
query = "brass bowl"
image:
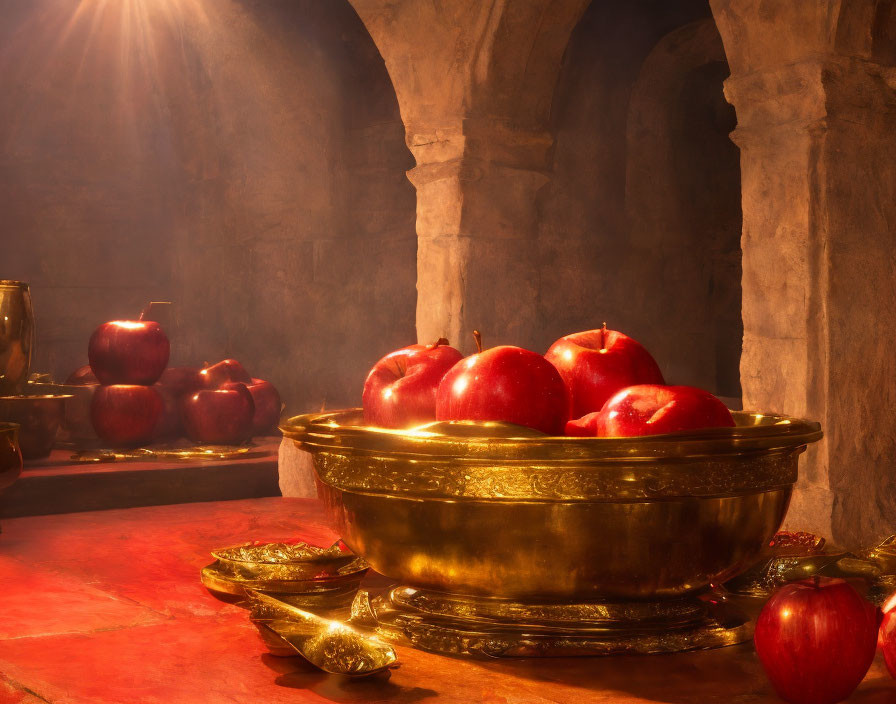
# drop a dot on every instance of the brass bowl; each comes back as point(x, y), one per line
point(39, 417)
point(10, 456)
point(77, 426)
point(493, 510)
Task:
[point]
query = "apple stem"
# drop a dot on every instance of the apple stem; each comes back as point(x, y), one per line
point(149, 305)
point(603, 336)
point(438, 343)
point(478, 337)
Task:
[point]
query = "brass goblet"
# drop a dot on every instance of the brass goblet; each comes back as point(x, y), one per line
point(16, 335)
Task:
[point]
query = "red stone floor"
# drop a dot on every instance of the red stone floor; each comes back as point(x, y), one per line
point(106, 607)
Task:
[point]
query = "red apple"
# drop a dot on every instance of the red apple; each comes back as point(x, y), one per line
point(649, 409)
point(216, 375)
point(267, 406)
point(507, 384)
point(816, 639)
point(584, 427)
point(128, 352)
point(77, 421)
point(219, 416)
point(400, 390)
point(82, 376)
point(170, 425)
point(125, 415)
point(886, 637)
point(181, 380)
point(595, 364)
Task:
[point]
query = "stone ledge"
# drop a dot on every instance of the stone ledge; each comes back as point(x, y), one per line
point(57, 485)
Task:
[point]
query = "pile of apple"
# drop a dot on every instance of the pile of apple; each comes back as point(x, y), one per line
point(593, 383)
point(141, 400)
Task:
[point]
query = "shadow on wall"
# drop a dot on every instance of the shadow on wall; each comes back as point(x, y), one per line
point(243, 159)
point(641, 224)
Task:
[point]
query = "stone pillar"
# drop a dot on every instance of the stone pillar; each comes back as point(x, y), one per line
point(859, 167)
point(476, 229)
point(474, 80)
point(817, 132)
point(780, 129)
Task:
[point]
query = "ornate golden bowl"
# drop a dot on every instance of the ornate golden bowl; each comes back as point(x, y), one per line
point(493, 510)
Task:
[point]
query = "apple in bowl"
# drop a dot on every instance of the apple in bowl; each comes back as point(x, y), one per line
point(653, 409)
point(400, 390)
point(508, 384)
point(595, 364)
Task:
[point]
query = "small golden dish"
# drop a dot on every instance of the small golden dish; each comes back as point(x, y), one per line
point(323, 579)
point(288, 561)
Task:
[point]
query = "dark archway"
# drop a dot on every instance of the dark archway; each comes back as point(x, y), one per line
point(683, 204)
point(641, 223)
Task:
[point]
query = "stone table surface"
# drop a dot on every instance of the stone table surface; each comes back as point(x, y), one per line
point(106, 607)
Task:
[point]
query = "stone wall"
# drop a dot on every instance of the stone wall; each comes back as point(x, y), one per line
point(243, 159)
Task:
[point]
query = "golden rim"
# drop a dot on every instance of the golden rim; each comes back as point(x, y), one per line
point(498, 441)
point(760, 454)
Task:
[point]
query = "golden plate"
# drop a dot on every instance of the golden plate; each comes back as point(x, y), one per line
point(197, 453)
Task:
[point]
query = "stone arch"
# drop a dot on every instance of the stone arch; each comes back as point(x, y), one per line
point(515, 72)
point(758, 37)
point(682, 202)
